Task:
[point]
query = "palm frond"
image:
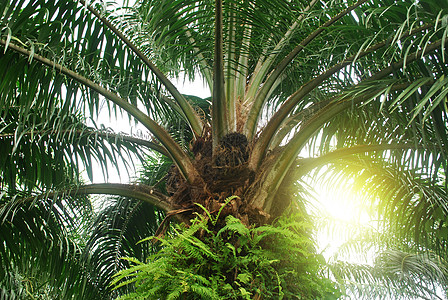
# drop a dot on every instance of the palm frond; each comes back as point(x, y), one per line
point(395, 274)
point(404, 205)
point(115, 233)
point(41, 249)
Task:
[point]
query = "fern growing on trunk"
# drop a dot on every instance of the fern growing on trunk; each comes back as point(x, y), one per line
point(208, 260)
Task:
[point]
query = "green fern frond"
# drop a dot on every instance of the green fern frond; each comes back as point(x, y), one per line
point(236, 262)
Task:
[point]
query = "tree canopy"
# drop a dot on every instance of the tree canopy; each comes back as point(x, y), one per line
point(360, 86)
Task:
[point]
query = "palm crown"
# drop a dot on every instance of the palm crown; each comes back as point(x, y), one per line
point(362, 84)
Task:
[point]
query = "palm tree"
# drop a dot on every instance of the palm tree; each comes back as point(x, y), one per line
point(360, 84)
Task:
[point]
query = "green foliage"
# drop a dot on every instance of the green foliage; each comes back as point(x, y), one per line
point(362, 84)
point(234, 262)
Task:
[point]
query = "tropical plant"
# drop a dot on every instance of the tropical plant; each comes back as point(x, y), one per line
point(236, 262)
point(361, 84)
